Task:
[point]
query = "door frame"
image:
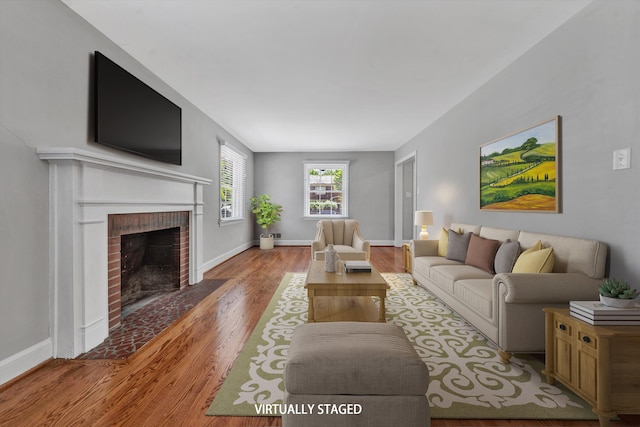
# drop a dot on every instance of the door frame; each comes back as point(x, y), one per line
point(399, 192)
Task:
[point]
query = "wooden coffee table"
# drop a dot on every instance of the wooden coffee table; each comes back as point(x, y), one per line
point(350, 295)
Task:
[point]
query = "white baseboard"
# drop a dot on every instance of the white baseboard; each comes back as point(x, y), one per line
point(277, 242)
point(382, 242)
point(280, 242)
point(206, 266)
point(21, 362)
point(94, 333)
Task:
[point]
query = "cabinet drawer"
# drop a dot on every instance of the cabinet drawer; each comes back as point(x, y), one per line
point(563, 328)
point(588, 340)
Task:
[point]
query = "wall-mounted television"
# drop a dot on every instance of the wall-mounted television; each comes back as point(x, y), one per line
point(131, 116)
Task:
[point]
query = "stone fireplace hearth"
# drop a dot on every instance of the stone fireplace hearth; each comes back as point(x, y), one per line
point(94, 200)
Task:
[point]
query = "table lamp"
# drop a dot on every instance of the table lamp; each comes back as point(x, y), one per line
point(424, 218)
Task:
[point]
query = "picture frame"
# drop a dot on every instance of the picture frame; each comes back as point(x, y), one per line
point(521, 171)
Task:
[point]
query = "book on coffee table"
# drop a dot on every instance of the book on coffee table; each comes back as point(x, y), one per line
point(357, 266)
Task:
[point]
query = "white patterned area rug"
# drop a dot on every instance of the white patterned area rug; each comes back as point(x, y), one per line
point(467, 379)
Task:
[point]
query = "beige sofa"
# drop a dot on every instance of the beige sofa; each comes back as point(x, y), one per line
point(507, 307)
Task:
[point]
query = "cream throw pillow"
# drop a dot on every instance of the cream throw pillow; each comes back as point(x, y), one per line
point(536, 259)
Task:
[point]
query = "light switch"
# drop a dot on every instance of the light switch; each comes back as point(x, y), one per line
point(622, 159)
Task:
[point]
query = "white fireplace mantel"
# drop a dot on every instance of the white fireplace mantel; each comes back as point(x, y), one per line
point(84, 188)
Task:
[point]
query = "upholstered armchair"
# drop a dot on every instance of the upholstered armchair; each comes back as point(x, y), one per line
point(345, 236)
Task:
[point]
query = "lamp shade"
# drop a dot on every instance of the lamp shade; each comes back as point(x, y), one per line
point(423, 218)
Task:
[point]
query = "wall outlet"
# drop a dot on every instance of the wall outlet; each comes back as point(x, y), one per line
point(622, 159)
point(277, 235)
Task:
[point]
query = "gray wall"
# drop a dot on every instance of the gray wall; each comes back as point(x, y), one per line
point(370, 192)
point(587, 71)
point(45, 101)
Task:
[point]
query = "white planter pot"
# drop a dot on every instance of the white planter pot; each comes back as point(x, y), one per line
point(266, 242)
point(617, 302)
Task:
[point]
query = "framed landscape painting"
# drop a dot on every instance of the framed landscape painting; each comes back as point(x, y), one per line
point(521, 172)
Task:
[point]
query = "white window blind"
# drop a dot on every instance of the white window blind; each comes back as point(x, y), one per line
point(233, 177)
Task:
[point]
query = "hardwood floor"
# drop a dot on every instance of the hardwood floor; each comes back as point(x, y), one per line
point(172, 380)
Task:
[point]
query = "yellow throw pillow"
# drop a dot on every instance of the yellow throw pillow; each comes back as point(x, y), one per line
point(443, 244)
point(535, 261)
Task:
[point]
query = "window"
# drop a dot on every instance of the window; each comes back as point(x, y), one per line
point(233, 174)
point(326, 189)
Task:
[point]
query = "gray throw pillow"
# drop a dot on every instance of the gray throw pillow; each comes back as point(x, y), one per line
point(458, 246)
point(506, 256)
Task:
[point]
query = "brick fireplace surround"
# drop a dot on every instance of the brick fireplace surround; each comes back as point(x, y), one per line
point(95, 198)
point(124, 224)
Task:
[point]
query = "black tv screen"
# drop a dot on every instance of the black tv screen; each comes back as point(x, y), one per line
point(131, 116)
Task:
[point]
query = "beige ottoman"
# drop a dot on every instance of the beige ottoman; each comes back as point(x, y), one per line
point(351, 374)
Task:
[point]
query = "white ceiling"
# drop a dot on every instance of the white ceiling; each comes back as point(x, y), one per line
point(325, 75)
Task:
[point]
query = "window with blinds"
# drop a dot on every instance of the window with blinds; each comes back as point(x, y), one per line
point(326, 187)
point(233, 177)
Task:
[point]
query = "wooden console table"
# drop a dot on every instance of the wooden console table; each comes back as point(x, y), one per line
point(599, 363)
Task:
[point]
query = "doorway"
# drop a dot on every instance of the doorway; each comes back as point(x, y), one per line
point(405, 199)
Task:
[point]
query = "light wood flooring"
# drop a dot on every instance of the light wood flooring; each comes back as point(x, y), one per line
point(172, 380)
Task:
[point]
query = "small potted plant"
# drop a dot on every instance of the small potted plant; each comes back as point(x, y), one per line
point(617, 293)
point(267, 213)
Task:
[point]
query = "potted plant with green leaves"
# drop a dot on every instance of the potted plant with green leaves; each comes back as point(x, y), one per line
point(617, 293)
point(267, 213)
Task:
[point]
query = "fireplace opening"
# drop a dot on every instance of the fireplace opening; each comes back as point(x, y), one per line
point(150, 266)
point(148, 256)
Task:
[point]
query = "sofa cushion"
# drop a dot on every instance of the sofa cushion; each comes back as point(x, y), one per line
point(482, 252)
point(458, 245)
point(422, 265)
point(446, 275)
point(466, 228)
point(501, 234)
point(535, 261)
point(571, 254)
point(506, 256)
point(534, 247)
point(476, 294)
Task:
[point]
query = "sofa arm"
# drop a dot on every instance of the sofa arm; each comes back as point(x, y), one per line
point(358, 241)
point(360, 244)
point(316, 246)
point(424, 248)
point(545, 288)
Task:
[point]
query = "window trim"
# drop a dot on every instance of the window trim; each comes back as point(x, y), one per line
point(326, 164)
point(235, 155)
